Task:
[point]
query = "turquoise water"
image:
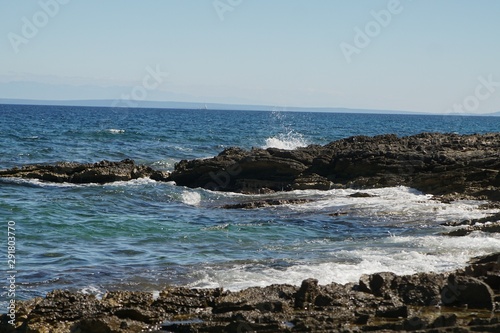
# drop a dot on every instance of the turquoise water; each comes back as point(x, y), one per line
point(144, 235)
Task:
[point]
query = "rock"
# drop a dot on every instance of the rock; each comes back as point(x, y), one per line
point(378, 284)
point(492, 227)
point(393, 312)
point(100, 172)
point(307, 293)
point(361, 195)
point(444, 321)
point(381, 302)
point(107, 324)
point(265, 203)
point(449, 165)
point(419, 289)
point(464, 290)
point(311, 182)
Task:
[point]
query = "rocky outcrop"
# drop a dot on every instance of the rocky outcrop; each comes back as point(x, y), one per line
point(449, 165)
point(486, 224)
point(81, 173)
point(467, 300)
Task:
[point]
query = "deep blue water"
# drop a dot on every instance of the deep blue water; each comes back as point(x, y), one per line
point(145, 235)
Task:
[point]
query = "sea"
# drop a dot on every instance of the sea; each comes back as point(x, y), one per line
point(147, 235)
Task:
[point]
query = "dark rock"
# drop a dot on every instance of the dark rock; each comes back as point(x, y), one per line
point(311, 182)
point(307, 293)
point(393, 312)
point(492, 227)
point(380, 302)
point(422, 289)
point(265, 203)
point(100, 172)
point(338, 213)
point(377, 284)
point(464, 290)
point(107, 324)
point(449, 165)
point(444, 321)
point(361, 195)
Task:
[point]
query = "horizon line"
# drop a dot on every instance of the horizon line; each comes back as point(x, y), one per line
point(221, 106)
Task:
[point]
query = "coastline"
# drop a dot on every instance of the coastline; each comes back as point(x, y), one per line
point(465, 300)
point(449, 166)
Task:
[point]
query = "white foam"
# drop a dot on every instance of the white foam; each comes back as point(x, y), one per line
point(399, 203)
point(40, 183)
point(115, 131)
point(288, 141)
point(93, 290)
point(407, 255)
point(191, 198)
point(133, 182)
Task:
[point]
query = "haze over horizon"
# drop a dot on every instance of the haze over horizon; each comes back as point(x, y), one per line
point(406, 55)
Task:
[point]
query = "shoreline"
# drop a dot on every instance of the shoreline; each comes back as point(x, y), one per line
point(458, 301)
point(449, 166)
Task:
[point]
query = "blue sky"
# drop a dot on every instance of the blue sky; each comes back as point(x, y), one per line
point(427, 55)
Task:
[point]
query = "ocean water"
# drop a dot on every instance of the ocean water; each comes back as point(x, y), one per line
point(145, 235)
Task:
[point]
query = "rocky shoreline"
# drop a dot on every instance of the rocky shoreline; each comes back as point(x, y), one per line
point(466, 300)
point(448, 166)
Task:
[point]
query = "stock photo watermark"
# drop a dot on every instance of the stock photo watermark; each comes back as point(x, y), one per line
point(39, 20)
point(224, 6)
point(483, 91)
point(222, 179)
point(371, 30)
point(11, 272)
point(151, 81)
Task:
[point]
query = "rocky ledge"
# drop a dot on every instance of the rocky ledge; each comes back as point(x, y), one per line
point(449, 165)
point(100, 173)
point(442, 164)
point(466, 300)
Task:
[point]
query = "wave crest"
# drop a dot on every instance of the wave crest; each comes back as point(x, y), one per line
point(288, 141)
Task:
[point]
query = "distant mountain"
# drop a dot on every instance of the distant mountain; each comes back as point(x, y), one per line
point(191, 106)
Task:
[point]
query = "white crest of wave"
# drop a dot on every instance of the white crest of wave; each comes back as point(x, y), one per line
point(191, 198)
point(288, 141)
point(401, 203)
point(42, 183)
point(116, 131)
point(408, 255)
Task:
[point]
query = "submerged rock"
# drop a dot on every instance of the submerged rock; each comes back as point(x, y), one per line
point(265, 203)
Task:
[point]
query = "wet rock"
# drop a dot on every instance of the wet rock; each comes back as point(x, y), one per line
point(265, 203)
point(469, 291)
point(107, 324)
point(444, 321)
point(393, 312)
point(187, 301)
point(491, 227)
point(419, 289)
point(307, 293)
point(381, 302)
point(378, 284)
point(449, 165)
point(311, 182)
point(79, 173)
point(361, 195)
